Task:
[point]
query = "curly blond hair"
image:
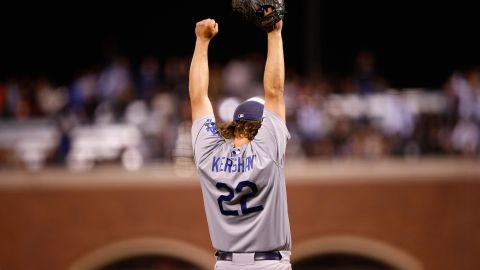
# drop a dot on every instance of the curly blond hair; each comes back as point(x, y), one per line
point(241, 129)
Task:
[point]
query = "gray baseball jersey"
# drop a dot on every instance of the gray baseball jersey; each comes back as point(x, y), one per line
point(244, 188)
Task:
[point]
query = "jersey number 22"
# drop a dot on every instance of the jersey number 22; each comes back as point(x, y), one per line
point(243, 199)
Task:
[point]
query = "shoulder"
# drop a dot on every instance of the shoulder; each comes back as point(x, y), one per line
point(271, 120)
point(206, 124)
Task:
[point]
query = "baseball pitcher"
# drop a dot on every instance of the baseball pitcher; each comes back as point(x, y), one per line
point(241, 165)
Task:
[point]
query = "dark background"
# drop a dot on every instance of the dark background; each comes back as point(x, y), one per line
point(416, 44)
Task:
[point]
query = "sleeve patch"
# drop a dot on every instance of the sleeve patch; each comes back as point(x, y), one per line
point(211, 127)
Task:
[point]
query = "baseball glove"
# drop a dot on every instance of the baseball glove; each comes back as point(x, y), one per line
point(253, 11)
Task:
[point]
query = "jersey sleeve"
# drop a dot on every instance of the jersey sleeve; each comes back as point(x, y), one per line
point(272, 137)
point(205, 137)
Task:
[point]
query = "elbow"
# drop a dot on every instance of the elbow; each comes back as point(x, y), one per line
point(195, 97)
point(274, 91)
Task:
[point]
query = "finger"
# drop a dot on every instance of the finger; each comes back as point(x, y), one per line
point(212, 23)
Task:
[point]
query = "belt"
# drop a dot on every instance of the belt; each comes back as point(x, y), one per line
point(259, 256)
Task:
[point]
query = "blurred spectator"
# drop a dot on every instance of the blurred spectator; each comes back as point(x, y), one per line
point(465, 94)
point(50, 99)
point(11, 98)
point(465, 137)
point(83, 95)
point(311, 122)
point(240, 78)
point(149, 78)
point(365, 74)
point(116, 86)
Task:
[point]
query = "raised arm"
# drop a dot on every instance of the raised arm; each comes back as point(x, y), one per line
point(274, 76)
point(205, 30)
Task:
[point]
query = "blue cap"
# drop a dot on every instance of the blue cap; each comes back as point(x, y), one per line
point(249, 110)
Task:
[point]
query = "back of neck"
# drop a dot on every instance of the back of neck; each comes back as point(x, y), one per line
point(240, 141)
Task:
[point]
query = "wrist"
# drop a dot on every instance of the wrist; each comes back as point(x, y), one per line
point(203, 41)
point(275, 34)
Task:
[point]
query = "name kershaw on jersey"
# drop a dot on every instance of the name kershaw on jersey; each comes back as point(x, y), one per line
point(232, 164)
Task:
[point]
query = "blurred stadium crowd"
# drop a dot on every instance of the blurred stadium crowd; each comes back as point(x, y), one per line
point(135, 114)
